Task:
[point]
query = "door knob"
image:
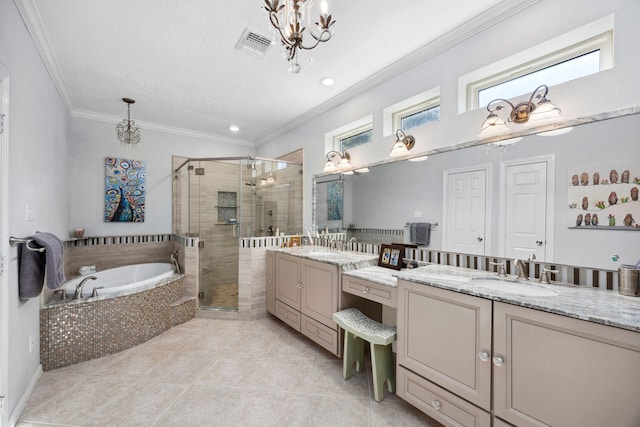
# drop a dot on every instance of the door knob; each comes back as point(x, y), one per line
point(480, 239)
point(539, 242)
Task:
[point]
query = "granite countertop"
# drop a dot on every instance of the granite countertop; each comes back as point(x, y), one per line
point(381, 275)
point(347, 260)
point(590, 304)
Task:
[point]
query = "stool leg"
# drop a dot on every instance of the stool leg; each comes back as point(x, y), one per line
point(383, 369)
point(353, 353)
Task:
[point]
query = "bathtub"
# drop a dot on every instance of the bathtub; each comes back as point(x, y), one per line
point(138, 302)
point(122, 280)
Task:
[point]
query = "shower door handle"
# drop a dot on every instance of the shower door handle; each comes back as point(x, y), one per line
point(235, 230)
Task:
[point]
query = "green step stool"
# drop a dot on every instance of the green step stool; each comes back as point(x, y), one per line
point(357, 329)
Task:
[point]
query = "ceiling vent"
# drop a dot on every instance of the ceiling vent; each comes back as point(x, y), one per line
point(253, 43)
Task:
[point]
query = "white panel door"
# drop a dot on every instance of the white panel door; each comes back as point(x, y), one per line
point(526, 208)
point(465, 215)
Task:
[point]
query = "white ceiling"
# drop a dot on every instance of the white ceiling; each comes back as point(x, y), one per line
point(177, 59)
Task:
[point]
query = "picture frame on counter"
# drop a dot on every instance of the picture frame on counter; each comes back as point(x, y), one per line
point(391, 256)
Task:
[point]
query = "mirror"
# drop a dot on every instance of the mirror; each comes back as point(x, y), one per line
point(377, 206)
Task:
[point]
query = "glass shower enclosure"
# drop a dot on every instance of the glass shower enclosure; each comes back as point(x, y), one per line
point(220, 200)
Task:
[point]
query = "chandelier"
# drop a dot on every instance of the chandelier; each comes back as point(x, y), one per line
point(128, 131)
point(290, 18)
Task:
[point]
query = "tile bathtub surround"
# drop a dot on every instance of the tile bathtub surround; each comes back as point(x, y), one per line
point(75, 332)
point(216, 373)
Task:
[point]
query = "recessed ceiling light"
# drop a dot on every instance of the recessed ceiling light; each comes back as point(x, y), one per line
point(327, 81)
point(234, 128)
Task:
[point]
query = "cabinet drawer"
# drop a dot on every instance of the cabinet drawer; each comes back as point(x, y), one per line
point(321, 334)
point(386, 295)
point(438, 403)
point(288, 315)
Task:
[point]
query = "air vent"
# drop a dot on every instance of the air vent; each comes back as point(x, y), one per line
point(253, 43)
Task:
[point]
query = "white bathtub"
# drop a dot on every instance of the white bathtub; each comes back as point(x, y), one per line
point(123, 280)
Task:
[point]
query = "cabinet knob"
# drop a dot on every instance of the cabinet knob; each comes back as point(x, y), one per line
point(365, 290)
point(498, 361)
point(285, 315)
point(436, 404)
point(483, 355)
point(268, 282)
point(317, 333)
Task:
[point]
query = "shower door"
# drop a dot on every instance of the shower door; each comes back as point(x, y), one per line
point(220, 200)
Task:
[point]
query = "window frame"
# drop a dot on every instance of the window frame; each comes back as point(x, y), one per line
point(333, 137)
point(393, 114)
point(597, 35)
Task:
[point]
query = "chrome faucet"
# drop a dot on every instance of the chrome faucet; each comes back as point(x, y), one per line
point(544, 276)
point(78, 293)
point(522, 269)
point(501, 270)
point(174, 260)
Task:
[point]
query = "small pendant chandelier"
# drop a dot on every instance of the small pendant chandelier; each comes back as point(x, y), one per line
point(128, 131)
point(290, 18)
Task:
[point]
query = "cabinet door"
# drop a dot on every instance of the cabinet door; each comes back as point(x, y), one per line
point(320, 291)
point(445, 337)
point(288, 280)
point(271, 286)
point(560, 371)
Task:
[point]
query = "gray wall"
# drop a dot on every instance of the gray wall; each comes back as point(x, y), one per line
point(38, 127)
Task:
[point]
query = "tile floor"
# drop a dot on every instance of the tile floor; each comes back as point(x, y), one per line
point(215, 373)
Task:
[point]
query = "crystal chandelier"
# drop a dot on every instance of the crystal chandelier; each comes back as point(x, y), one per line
point(128, 131)
point(290, 18)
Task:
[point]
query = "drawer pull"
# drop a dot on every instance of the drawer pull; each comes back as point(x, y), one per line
point(483, 355)
point(498, 360)
point(317, 333)
point(436, 404)
point(365, 290)
point(285, 314)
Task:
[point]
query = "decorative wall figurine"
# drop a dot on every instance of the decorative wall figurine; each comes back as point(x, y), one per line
point(596, 197)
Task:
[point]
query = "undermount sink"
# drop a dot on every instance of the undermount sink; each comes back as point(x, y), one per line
point(514, 288)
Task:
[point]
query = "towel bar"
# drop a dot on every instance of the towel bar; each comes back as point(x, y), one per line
point(18, 241)
point(433, 225)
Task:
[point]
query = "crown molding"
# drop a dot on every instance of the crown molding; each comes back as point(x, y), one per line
point(107, 118)
point(470, 28)
point(32, 21)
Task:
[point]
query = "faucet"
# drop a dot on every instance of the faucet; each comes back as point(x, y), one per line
point(544, 276)
point(501, 271)
point(174, 260)
point(522, 269)
point(78, 293)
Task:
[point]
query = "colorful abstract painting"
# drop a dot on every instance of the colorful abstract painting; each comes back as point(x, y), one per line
point(334, 201)
point(124, 190)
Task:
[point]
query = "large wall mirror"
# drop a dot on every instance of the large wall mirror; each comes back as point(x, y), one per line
point(506, 196)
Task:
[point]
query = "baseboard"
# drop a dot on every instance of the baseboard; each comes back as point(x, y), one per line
point(17, 412)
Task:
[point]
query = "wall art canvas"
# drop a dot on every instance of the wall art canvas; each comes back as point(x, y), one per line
point(124, 190)
point(334, 201)
point(604, 197)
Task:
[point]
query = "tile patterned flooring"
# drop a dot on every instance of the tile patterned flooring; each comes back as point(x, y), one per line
point(216, 373)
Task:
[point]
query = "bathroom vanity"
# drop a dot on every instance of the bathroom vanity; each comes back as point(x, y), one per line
point(474, 349)
point(469, 355)
point(305, 289)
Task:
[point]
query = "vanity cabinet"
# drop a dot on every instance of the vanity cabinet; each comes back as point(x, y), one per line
point(385, 295)
point(445, 337)
point(558, 371)
point(527, 367)
point(271, 284)
point(306, 296)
